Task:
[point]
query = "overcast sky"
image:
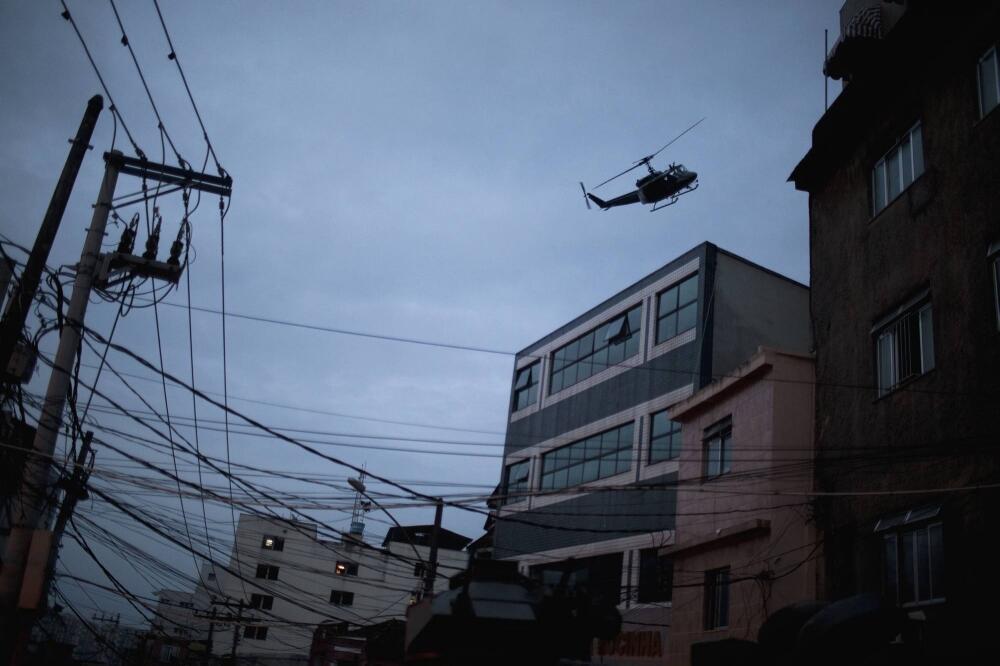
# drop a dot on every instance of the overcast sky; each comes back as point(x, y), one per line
point(410, 170)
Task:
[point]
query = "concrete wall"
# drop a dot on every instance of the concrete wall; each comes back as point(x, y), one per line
point(737, 520)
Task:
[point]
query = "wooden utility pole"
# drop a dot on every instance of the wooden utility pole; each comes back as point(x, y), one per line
point(236, 630)
point(433, 559)
point(13, 323)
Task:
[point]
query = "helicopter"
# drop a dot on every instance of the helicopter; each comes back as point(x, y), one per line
point(655, 187)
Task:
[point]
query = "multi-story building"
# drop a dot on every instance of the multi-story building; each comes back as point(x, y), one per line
point(291, 580)
point(903, 179)
point(746, 543)
point(589, 478)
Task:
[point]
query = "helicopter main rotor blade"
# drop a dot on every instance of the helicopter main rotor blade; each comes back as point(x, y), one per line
point(636, 166)
point(649, 157)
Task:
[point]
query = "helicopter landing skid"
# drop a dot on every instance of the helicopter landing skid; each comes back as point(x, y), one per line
point(672, 200)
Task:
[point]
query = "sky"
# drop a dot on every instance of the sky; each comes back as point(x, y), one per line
point(403, 169)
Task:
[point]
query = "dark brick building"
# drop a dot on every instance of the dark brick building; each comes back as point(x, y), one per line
point(904, 204)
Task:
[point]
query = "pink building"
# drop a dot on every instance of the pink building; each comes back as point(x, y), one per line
point(745, 542)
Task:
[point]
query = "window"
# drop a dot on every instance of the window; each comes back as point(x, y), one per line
point(656, 576)
point(597, 457)
point(341, 598)
point(255, 633)
point(526, 386)
point(418, 570)
point(717, 598)
point(600, 575)
point(272, 543)
point(605, 346)
point(897, 169)
point(664, 438)
point(989, 82)
point(995, 269)
point(267, 571)
point(904, 348)
point(719, 449)
point(261, 601)
point(516, 483)
point(677, 309)
point(913, 557)
point(346, 569)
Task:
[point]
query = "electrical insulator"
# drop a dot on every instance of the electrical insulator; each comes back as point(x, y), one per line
point(176, 247)
point(153, 242)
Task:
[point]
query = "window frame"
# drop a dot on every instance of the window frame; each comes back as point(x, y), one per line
point(888, 374)
point(717, 598)
point(678, 306)
point(567, 457)
point(518, 493)
point(345, 568)
point(278, 543)
point(264, 572)
point(255, 632)
point(261, 601)
point(916, 169)
point(674, 435)
point(534, 374)
point(991, 53)
point(721, 432)
point(893, 533)
point(345, 598)
point(626, 339)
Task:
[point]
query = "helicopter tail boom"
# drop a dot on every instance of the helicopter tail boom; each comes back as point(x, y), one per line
point(600, 202)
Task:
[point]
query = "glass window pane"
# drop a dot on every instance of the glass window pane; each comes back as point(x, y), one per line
point(591, 469)
point(675, 446)
point(583, 369)
point(600, 359)
point(569, 375)
point(712, 460)
point(923, 565)
point(574, 475)
point(559, 479)
point(635, 320)
point(916, 140)
point(988, 94)
point(878, 187)
point(937, 561)
point(890, 568)
point(626, 433)
point(557, 382)
point(906, 160)
point(609, 441)
point(632, 346)
point(688, 290)
point(661, 424)
point(585, 346)
point(608, 465)
point(906, 572)
point(893, 175)
point(926, 339)
point(571, 351)
point(624, 460)
point(668, 301)
point(616, 354)
point(686, 317)
point(884, 352)
point(667, 327)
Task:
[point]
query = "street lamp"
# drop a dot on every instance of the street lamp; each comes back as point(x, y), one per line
point(430, 568)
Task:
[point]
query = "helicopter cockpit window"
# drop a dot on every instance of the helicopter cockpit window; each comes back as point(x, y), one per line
point(607, 345)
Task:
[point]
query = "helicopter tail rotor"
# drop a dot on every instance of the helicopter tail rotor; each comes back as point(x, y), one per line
point(585, 199)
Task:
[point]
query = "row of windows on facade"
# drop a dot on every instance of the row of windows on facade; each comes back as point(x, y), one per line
point(904, 162)
point(610, 452)
point(609, 344)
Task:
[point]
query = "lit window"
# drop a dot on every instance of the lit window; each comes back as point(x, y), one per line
point(897, 169)
point(664, 438)
point(596, 457)
point(526, 386)
point(255, 633)
point(261, 601)
point(717, 598)
point(913, 557)
point(677, 309)
point(904, 347)
point(989, 82)
point(605, 346)
point(346, 569)
point(273, 543)
point(718, 445)
point(516, 484)
point(267, 571)
point(341, 598)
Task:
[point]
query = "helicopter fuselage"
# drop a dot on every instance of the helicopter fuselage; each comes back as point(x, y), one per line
point(660, 185)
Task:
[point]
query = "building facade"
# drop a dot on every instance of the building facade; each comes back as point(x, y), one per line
point(746, 541)
point(588, 490)
point(290, 580)
point(904, 216)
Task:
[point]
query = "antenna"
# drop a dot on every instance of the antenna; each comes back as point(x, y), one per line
point(361, 506)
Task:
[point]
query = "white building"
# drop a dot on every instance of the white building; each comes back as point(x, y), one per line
point(290, 580)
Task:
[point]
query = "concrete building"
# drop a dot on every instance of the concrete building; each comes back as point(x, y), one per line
point(746, 543)
point(291, 580)
point(589, 486)
point(904, 218)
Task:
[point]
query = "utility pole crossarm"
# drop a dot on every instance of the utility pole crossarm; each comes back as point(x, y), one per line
point(163, 173)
